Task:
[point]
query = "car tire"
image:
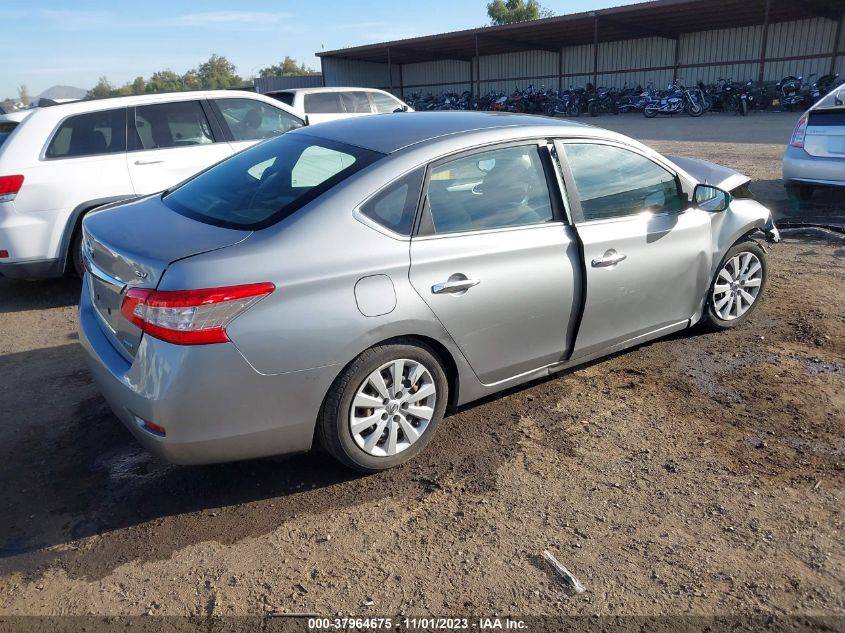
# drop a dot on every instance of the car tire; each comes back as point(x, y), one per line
point(338, 418)
point(726, 285)
point(75, 253)
point(804, 193)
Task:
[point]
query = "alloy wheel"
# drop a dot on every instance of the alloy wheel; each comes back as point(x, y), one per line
point(737, 286)
point(392, 407)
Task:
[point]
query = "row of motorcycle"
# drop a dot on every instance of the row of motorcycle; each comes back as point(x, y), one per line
point(726, 95)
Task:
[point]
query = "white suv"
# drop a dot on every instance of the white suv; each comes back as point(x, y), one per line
point(64, 160)
point(326, 104)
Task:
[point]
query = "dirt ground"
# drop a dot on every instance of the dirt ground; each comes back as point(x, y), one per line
point(701, 474)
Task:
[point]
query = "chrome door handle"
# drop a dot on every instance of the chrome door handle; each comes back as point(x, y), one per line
point(454, 285)
point(610, 258)
point(148, 162)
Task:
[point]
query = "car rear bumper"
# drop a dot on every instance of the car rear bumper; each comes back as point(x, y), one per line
point(213, 405)
point(799, 167)
point(33, 269)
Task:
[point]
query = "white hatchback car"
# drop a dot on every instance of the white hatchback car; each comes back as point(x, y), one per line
point(64, 160)
point(327, 104)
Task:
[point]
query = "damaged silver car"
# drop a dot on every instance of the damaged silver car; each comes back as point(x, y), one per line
point(349, 283)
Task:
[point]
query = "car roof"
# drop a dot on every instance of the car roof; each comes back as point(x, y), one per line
point(327, 89)
point(388, 133)
point(108, 103)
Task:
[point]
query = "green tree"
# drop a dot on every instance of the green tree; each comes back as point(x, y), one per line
point(287, 68)
point(217, 72)
point(512, 11)
point(139, 86)
point(164, 81)
point(103, 89)
point(23, 94)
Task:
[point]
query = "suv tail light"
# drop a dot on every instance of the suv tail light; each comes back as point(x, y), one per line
point(800, 132)
point(9, 187)
point(190, 317)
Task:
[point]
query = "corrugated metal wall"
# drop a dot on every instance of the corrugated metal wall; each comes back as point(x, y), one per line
point(437, 77)
point(702, 56)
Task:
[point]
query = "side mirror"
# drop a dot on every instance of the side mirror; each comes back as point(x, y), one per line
point(710, 198)
point(307, 122)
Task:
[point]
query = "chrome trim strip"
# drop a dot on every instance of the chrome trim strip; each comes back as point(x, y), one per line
point(99, 273)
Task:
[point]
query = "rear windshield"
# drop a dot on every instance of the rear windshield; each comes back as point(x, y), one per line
point(268, 182)
point(6, 130)
point(835, 99)
point(284, 97)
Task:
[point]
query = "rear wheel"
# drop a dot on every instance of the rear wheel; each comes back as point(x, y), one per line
point(75, 253)
point(650, 112)
point(384, 407)
point(803, 192)
point(738, 286)
point(593, 108)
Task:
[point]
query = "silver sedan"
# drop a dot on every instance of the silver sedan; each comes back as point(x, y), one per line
point(351, 282)
point(815, 156)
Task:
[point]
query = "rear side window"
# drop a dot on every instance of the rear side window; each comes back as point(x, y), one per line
point(164, 125)
point(250, 119)
point(394, 207)
point(89, 135)
point(266, 183)
point(355, 102)
point(385, 103)
point(322, 103)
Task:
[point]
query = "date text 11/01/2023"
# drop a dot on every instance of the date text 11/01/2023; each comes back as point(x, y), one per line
point(415, 623)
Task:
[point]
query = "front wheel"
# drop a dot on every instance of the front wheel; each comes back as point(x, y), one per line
point(384, 407)
point(593, 108)
point(650, 112)
point(695, 109)
point(738, 286)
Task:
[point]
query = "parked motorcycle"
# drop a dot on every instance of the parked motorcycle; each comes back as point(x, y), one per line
point(603, 101)
point(676, 100)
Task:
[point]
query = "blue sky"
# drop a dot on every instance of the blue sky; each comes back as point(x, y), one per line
point(74, 43)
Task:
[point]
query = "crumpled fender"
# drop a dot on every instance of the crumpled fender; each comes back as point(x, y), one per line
point(744, 216)
point(708, 173)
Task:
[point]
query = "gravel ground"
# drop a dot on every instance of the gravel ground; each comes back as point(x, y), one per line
point(700, 474)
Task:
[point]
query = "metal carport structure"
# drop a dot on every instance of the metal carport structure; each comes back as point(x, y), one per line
point(759, 39)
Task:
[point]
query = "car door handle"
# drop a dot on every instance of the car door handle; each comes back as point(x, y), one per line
point(454, 285)
point(610, 258)
point(148, 162)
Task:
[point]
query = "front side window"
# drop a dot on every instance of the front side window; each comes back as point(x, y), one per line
point(266, 183)
point(386, 104)
point(494, 189)
point(614, 182)
point(164, 125)
point(250, 119)
point(90, 134)
point(395, 206)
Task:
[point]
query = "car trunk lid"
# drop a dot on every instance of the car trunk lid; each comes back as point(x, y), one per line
point(130, 246)
point(825, 135)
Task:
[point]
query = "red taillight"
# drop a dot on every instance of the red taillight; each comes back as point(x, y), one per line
point(153, 428)
point(800, 132)
point(190, 317)
point(4, 254)
point(9, 187)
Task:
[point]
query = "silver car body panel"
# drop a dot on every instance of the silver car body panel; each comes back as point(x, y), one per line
point(822, 159)
point(538, 308)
